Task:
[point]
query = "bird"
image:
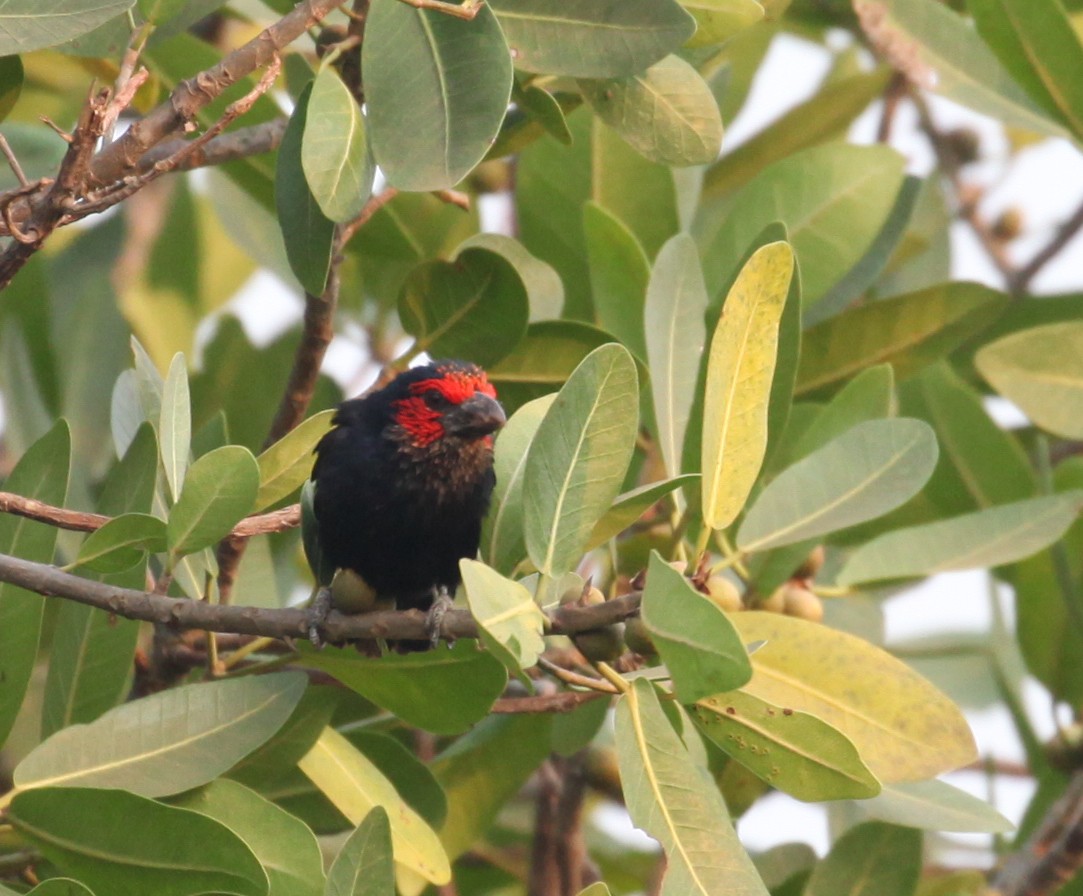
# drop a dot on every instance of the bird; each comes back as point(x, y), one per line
point(399, 489)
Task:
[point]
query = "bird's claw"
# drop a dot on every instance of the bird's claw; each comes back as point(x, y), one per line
point(316, 616)
point(434, 621)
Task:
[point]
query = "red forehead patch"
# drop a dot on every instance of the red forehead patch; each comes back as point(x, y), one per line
point(456, 385)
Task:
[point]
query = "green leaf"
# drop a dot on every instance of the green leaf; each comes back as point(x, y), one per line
point(42, 473)
point(54, 886)
point(630, 506)
point(475, 306)
point(284, 845)
point(719, 20)
point(121, 843)
point(739, 373)
point(364, 866)
point(219, 490)
point(503, 544)
point(334, 152)
point(188, 736)
point(26, 25)
point(908, 332)
point(619, 270)
point(825, 116)
point(11, 83)
point(833, 200)
point(1037, 43)
point(355, 786)
point(1041, 370)
point(695, 639)
point(868, 470)
point(872, 859)
point(578, 458)
point(793, 751)
point(510, 623)
point(412, 778)
point(436, 90)
point(676, 802)
point(941, 51)
point(989, 537)
point(308, 233)
point(122, 542)
point(903, 727)
point(544, 359)
point(666, 113)
point(284, 467)
point(934, 806)
point(443, 691)
point(585, 39)
point(544, 290)
point(676, 334)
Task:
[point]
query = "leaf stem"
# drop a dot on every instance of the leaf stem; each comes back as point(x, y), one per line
point(613, 677)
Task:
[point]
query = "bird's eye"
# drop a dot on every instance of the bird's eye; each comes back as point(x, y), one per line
point(436, 399)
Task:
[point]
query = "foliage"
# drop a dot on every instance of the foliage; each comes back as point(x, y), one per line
point(746, 402)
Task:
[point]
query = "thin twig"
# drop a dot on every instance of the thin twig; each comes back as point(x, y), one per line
point(5, 148)
point(468, 9)
point(1048, 252)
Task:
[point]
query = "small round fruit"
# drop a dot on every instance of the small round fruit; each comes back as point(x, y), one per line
point(776, 603)
point(601, 645)
point(802, 603)
point(813, 564)
point(638, 638)
point(723, 593)
point(593, 597)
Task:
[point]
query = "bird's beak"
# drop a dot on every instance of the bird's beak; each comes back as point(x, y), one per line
point(478, 416)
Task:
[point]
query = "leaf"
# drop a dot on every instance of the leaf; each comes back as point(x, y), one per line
point(355, 786)
point(1038, 44)
point(364, 865)
point(443, 691)
point(54, 886)
point(867, 471)
point(578, 458)
point(188, 736)
point(475, 306)
point(630, 506)
point(503, 544)
point(719, 20)
point(989, 537)
point(122, 542)
point(676, 335)
point(545, 292)
point(833, 200)
point(585, 39)
point(618, 276)
point(436, 90)
point(219, 490)
point(334, 152)
point(666, 113)
point(872, 859)
point(284, 845)
point(412, 777)
point(11, 83)
point(26, 25)
point(739, 373)
point(676, 802)
point(307, 232)
point(903, 727)
point(934, 806)
point(792, 751)
point(124, 844)
point(509, 622)
point(1041, 371)
point(941, 51)
point(284, 467)
point(696, 640)
point(823, 117)
point(41, 473)
point(908, 331)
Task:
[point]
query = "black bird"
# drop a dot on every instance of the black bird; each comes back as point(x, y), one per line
point(401, 484)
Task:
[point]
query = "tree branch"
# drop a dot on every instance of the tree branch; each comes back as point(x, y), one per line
point(182, 613)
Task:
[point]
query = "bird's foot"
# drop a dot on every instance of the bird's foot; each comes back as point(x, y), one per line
point(316, 616)
point(434, 621)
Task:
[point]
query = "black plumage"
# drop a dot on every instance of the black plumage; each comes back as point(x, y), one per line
point(404, 479)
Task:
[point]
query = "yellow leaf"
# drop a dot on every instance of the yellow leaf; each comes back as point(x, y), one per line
point(350, 781)
point(739, 374)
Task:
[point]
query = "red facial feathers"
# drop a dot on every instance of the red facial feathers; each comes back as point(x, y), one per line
point(423, 422)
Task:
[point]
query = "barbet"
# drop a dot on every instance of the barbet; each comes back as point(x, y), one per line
point(401, 484)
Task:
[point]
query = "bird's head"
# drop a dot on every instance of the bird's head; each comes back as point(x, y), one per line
point(445, 401)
